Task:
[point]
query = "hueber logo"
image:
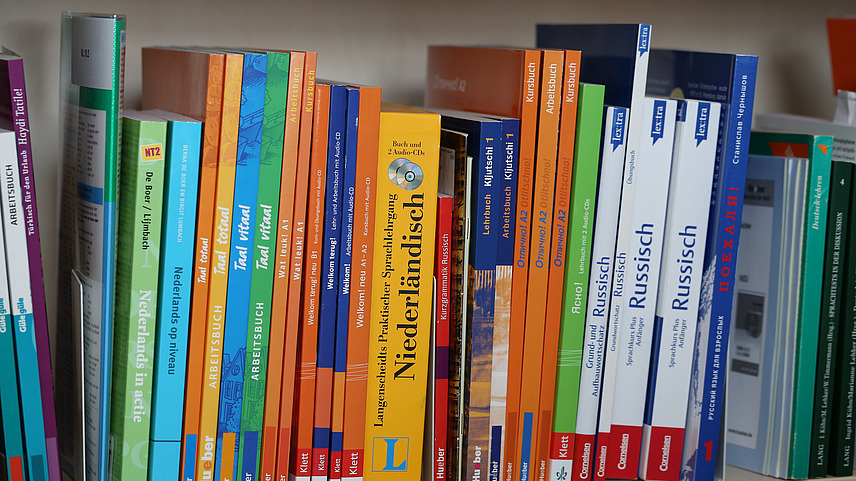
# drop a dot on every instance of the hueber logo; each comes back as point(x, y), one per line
point(664, 460)
point(622, 453)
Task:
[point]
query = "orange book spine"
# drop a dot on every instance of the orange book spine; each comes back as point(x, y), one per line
point(539, 255)
point(219, 275)
point(556, 282)
point(273, 386)
point(303, 423)
point(199, 298)
point(356, 376)
point(520, 272)
point(292, 319)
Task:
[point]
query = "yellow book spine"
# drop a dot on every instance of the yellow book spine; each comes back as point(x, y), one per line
point(219, 278)
point(401, 309)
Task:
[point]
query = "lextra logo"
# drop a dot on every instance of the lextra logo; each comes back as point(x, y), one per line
point(389, 455)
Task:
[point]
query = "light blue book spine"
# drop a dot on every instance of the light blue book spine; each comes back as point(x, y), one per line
point(240, 271)
point(21, 305)
point(10, 409)
point(184, 138)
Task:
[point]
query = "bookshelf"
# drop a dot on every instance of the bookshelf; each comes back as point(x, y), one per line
point(381, 43)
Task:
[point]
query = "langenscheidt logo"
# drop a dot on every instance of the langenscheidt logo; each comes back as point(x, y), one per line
point(658, 123)
point(405, 174)
point(644, 38)
point(701, 123)
point(617, 134)
point(390, 455)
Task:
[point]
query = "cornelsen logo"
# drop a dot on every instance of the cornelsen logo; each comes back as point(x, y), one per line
point(644, 37)
point(701, 123)
point(584, 465)
point(405, 173)
point(617, 137)
point(622, 453)
point(601, 463)
point(664, 460)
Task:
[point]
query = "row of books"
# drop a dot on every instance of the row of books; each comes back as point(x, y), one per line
point(28, 430)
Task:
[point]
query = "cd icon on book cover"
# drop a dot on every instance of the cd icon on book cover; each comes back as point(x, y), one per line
point(405, 174)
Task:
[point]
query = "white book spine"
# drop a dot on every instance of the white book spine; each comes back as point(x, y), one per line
point(603, 250)
point(644, 240)
point(687, 214)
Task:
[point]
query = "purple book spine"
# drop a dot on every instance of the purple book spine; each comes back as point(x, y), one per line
point(21, 123)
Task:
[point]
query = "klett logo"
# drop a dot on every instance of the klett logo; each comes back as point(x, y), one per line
point(701, 124)
point(644, 38)
point(390, 455)
point(659, 120)
point(617, 137)
point(151, 152)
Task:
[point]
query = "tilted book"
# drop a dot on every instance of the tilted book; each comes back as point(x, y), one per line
point(439, 391)
point(729, 79)
point(92, 63)
point(402, 292)
point(138, 259)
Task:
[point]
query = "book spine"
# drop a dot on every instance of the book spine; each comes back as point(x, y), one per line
point(522, 234)
point(482, 280)
point(330, 285)
point(267, 211)
point(841, 441)
point(282, 269)
point(561, 222)
point(137, 271)
point(700, 453)
point(21, 125)
point(174, 297)
point(597, 304)
point(219, 275)
point(678, 295)
point(652, 170)
point(206, 210)
point(362, 270)
point(400, 331)
point(298, 241)
point(10, 408)
point(559, 439)
point(816, 210)
point(832, 302)
point(539, 258)
point(337, 424)
point(502, 303)
point(240, 263)
point(443, 302)
point(301, 465)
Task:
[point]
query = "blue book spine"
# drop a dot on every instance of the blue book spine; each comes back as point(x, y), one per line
point(240, 270)
point(720, 259)
point(346, 234)
point(184, 138)
point(507, 192)
point(329, 290)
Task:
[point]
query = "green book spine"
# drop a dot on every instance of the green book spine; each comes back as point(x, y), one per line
point(831, 299)
point(818, 149)
point(139, 227)
point(577, 262)
point(840, 462)
point(267, 211)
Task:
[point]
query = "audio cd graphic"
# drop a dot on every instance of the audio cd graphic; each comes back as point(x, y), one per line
point(405, 174)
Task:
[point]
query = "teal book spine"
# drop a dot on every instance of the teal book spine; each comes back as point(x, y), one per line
point(181, 183)
point(137, 270)
point(267, 212)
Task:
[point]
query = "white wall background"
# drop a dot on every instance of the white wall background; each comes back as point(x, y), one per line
point(384, 43)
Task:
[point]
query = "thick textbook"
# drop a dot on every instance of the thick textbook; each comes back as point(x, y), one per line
point(818, 150)
point(729, 79)
point(92, 63)
point(401, 300)
point(181, 186)
point(190, 83)
point(760, 375)
point(14, 116)
point(687, 212)
point(138, 259)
